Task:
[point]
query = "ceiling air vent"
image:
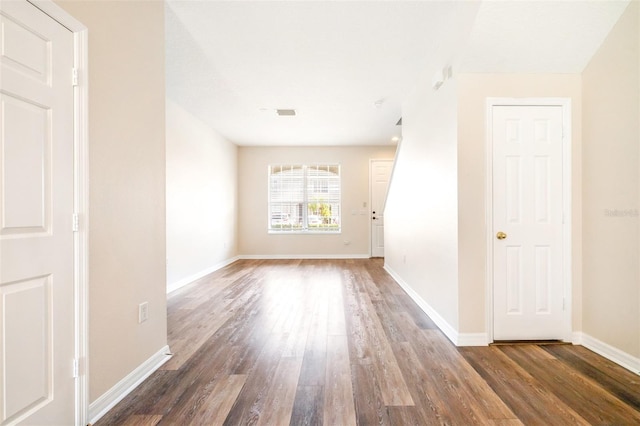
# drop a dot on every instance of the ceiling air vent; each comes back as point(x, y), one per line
point(286, 112)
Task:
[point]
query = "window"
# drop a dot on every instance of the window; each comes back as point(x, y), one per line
point(304, 198)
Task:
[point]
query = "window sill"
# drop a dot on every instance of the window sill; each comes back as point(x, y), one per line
point(304, 232)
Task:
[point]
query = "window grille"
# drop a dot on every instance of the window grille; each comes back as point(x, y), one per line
point(304, 198)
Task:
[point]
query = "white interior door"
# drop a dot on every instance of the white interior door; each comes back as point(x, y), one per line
point(380, 172)
point(527, 223)
point(36, 207)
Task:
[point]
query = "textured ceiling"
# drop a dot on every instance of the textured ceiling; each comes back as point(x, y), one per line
point(347, 66)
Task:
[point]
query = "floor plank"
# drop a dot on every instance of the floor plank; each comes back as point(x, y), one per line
point(369, 404)
point(615, 379)
point(142, 420)
point(338, 342)
point(218, 403)
point(281, 394)
point(339, 407)
point(524, 395)
point(308, 406)
point(585, 396)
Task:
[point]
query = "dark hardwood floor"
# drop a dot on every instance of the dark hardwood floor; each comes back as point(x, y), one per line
point(338, 342)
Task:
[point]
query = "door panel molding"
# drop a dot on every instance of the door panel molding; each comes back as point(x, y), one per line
point(565, 104)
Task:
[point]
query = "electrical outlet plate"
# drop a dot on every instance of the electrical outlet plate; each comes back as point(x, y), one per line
point(143, 312)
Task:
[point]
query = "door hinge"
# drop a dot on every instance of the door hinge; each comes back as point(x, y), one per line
point(76, 369)
point(75, 222)
point(74, 76)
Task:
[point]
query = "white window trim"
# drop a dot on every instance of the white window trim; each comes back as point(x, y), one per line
point(304, 230)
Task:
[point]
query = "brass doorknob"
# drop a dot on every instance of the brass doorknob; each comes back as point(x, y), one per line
point(501, 235)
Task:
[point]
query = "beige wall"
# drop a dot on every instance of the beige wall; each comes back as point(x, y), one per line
point(436, 243)
point(127, 178)
point(252, 189)
point(473, 89)
point(610, 85)
point(421, 225)
point(605, 248)
point(202, 194)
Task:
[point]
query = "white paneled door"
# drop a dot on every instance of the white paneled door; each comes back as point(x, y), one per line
point(380, 172)
point(36, 207)
point(527, 223)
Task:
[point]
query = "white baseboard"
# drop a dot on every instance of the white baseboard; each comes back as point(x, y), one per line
point(304, 256)
point(621, 358)
point(471, 339)
point(109, 399)
point(191, 278)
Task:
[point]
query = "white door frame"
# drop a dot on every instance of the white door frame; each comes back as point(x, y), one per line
point(81, 202)
point(369, 221)
point(565, 103)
